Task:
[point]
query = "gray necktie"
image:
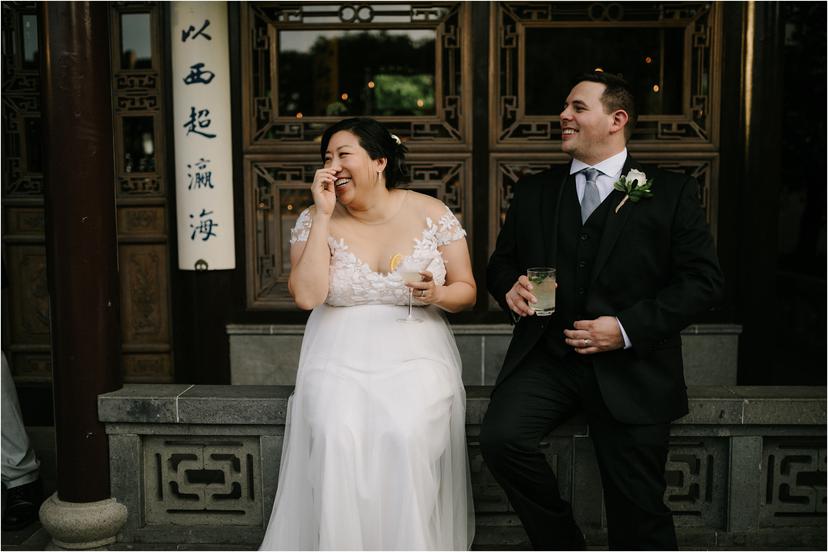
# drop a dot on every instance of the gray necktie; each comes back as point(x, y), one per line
point(591, 198)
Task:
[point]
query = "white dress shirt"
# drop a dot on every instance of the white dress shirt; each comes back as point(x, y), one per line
point(609, 171)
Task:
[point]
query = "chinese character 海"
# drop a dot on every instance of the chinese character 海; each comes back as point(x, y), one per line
point(204, 226)
point(198, 75)
point(199, 176)
point(199, 118)
point(185, 34)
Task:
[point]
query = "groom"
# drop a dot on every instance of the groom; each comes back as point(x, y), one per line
point(631, 275)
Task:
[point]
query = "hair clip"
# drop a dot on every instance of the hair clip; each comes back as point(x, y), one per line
point(396, 139)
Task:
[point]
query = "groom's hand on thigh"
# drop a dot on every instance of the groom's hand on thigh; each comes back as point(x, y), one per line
point(595, 336)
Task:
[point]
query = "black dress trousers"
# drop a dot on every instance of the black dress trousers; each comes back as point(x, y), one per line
point(542, 393)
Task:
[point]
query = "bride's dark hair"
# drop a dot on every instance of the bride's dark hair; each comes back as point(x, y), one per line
point(377, 141)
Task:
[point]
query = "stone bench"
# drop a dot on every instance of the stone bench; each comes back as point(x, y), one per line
point(198, 464)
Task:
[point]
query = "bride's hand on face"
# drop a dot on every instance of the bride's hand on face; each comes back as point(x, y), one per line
point(324, 194)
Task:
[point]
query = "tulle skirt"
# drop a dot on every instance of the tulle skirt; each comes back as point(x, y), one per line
point(374, 456)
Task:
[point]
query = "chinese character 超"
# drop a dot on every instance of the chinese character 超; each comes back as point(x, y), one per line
point(199, 118)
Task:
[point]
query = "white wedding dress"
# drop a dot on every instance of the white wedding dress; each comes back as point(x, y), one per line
point(374, 456)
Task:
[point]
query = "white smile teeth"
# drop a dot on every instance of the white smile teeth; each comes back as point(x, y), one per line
point(569, 131)
point(341, 182)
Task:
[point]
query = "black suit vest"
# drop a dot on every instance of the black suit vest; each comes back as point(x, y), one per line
point(576, 252)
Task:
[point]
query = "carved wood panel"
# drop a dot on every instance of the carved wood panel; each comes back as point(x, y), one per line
point(279, 191)
point(691, 29)
point(141, 191)
point(281, 138)
point(266, 126)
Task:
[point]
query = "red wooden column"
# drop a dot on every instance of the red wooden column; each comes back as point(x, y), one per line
point(82, 263)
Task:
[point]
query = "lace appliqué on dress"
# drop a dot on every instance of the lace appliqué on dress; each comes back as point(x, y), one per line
point(449, 228)
point(352, 282)
point(301, 229)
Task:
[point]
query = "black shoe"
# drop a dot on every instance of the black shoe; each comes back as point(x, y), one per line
point(22, 505)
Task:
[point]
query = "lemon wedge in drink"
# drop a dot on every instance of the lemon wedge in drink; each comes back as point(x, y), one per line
point(395, 261)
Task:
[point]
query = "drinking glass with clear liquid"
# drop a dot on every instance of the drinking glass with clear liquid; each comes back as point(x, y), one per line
point(409, 271)
point(542, 279)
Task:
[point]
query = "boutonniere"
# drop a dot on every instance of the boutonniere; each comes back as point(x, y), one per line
point(635, 185)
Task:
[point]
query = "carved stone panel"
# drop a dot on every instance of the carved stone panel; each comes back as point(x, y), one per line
point(697, 479)
point(203, 481)
point(793, 483)
point(279, 192)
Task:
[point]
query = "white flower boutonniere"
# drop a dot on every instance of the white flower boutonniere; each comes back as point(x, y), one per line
point(635, 185)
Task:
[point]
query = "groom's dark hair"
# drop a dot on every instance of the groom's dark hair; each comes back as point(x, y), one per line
point(617, 95)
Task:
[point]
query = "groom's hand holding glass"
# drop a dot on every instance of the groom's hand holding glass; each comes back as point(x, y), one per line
point(520, 298)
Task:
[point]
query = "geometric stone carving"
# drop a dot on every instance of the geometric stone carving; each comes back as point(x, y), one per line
point(696, 473)
point(202, 481)
point(793, 486)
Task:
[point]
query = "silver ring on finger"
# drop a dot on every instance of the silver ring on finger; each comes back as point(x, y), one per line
point(585, 342)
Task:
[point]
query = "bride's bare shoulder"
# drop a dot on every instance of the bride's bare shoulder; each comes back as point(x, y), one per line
point(427, 205)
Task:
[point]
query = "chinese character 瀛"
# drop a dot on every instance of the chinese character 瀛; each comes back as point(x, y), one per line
point(185, 34)
point(198, 75)
point(205, 226)
point(199, 118)
point(199, 176)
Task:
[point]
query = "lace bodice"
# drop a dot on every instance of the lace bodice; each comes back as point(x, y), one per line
point(352, 282)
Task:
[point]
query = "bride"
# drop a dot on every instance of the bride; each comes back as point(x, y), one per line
point(374, 454)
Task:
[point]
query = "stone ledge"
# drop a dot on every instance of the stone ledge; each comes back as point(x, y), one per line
point(267, 405)
point(268, 354)
point(463, 329)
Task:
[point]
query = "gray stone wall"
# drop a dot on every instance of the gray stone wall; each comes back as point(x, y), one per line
point(746, 468)
point(269, 354)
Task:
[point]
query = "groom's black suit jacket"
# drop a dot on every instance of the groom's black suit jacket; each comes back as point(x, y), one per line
point(655, 269)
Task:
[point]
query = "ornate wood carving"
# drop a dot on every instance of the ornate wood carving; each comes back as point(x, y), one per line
point(141, 194)
point(265, 127)
point(279, 193)
point(506, 170)
point(694, 127)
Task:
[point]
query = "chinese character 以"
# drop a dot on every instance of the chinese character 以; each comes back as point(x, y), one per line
point(188, 33)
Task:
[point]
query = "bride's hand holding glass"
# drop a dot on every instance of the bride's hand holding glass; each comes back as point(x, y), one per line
point(323, 189)
point(425, 291)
